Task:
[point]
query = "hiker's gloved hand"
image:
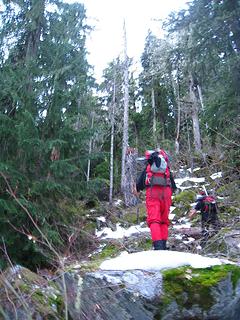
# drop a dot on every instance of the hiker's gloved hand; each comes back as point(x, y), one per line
point(192, 213)
point(134, 191)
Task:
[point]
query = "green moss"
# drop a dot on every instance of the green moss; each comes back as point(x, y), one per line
point(188, 286)
point(44, 297)
point(47, 303)
point(135, 215)
point(91, 266)
point(186, 196)
point(90, 227)
point(145, 244)
point(111, 250)
point(235, 275)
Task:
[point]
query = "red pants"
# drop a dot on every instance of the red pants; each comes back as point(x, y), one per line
point(158, 202)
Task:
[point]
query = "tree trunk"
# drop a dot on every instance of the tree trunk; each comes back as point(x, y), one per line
point(90, 150)
point(194, 113)
point(200, 96)
point(112, 139)
point(125, 116)
point(36, 16)
point(154, 127)
point(177, 95)
point(130, 177)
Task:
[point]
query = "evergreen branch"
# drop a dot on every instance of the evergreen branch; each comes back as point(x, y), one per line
point(61, 261)
point(11, 288)
point(220, 134)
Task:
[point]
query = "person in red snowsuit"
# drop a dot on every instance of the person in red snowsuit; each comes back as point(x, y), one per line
point(158, 187)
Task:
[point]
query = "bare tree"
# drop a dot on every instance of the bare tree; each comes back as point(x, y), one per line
point(193, 92)
point(126, 111)
point(90, 149)
point(154, 117)
point(130, 174)
point(113, 107)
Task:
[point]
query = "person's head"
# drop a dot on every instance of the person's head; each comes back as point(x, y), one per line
point(148, 154)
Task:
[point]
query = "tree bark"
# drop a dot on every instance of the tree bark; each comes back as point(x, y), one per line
point(112, 139)
point(130, 177)
point(90, 150)
point(125, 116)
point(177, 94)
point(154, 125)
point(194, 113)
point(200, 96)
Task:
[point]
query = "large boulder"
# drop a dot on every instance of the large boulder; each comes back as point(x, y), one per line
point(176, 293)
point(26, 295)
point(137, 293)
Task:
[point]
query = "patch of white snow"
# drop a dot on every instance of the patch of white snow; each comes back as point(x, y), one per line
point(120, 232)
point(216, 175)
point(158, 260)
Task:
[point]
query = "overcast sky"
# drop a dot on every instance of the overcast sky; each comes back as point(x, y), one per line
point(106, 42)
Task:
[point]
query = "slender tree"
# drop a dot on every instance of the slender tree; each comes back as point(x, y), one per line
point(126, 112)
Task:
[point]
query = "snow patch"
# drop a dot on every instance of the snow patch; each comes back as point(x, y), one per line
point(120, 232)
point(193, 170)
point(158, 260)
point(180, 181)
point(216, 175)
point(182, 226)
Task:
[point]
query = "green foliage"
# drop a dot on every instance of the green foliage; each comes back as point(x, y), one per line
point(102, 170)
point(184, 197)
point(46, 99)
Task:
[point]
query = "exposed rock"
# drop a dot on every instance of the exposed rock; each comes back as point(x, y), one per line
point(26, 295)
point(225, 243)
point(182, 293)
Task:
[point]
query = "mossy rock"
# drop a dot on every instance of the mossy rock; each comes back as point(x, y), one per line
point(109, 251)
point(187, 287)
point(38, 295)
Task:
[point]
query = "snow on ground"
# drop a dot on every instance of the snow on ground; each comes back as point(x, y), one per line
point(158, 260)
point(193, 170)
point(180, 181)
point(216, 175)
point(185, 225)
point(102, 219)
point(120, 232)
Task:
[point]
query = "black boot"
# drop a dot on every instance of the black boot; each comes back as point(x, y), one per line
point(159, 245)
point(165, 245)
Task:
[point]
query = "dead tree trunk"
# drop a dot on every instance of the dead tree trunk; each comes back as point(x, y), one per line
point(154, 127)
point(125, 116)
point(90, 150)
point(195, 119)
point(130, 177)
point(112, 139)
point(177, 95)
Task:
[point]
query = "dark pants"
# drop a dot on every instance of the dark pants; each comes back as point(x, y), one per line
point(210, 220)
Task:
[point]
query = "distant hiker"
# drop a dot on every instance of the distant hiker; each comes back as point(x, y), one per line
point(158, 182)
point(206, 205)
